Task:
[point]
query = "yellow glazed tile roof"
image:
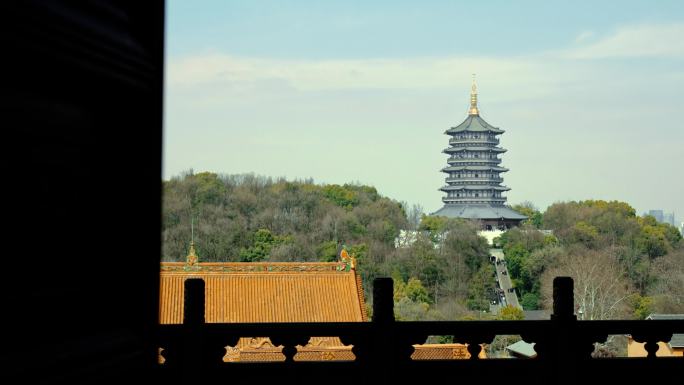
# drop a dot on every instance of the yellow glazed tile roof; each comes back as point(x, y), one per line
point(279, 292)
point(269, 292)
point(266, 292)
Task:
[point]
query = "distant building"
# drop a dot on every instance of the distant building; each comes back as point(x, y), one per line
point(669, 219)
point(662, 217)
point(657, 214)
point(665, 349)
point(474, 189)
point(406, 238)
point(490, 235)
point(521, 349)
point(681, 228)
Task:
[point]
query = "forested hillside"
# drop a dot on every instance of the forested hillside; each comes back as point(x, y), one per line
point(624, 266)
point(251, 218)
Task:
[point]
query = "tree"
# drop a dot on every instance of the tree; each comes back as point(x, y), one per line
point(413, 290)
point(463, 242)
point(515, 256)
point(435, 225)
point(530, 301)
point(481, 288)
point(584, 233)
point(262, 245)
point(666, 290)
point(643, 306)
point(600, 288)
point(510, 313)
point(534, 217)
point(415, 213)
point(341, 196)
point(407, 310)
point(255, 218)
point(652, 241)
point(411, 300)
point(327, 251)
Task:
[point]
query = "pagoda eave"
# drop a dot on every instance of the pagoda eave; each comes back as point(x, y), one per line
point(474, 149)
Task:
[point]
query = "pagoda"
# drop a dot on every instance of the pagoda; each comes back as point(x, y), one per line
point(474, 187)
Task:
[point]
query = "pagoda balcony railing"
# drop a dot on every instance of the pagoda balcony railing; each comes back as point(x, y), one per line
point(474, 160)
point(473, 199)
point(468, 180)
point(473, 140)
point(193, 351)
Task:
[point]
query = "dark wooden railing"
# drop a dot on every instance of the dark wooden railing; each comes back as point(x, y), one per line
point(194, 351)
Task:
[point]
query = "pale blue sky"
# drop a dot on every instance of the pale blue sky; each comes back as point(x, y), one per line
point(590, 94)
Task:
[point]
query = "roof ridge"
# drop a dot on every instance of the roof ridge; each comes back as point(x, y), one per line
point(257, 267)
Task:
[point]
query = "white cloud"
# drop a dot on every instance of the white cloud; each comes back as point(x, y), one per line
point(538, 73)
point(585, 35)
point(232, 114)
point(647, 40)
point(345, 74)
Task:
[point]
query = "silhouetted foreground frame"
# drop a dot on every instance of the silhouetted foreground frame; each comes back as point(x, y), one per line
point(194, 351)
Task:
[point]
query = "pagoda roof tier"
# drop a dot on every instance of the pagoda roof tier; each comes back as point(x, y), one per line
point(474, 123)
point(474, 168)
point(474, 187)
point(459, 149)
point(481, 211)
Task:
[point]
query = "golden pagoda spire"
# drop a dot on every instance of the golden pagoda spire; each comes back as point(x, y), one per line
point(191, 259)
point(473, 99)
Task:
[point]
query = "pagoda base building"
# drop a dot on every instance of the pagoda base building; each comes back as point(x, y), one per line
point(474, 190)
point(490, 217)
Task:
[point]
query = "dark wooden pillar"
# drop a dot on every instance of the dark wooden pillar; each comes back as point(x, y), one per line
point(383, 318)
point(193, 339)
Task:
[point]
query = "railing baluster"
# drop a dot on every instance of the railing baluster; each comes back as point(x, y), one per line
point(383, 301)
point(289, 341)
point(193, 320)
point(474, 349)
point(651, 347)
point(563, 299)
point(382, 330)
point(651, 338)
point(475, 344)
point(562, 350)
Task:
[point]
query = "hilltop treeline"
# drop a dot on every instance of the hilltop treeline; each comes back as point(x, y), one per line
point(625, 266)
point(252, 218)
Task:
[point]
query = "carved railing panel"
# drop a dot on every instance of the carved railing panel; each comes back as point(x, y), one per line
point(383, 348)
